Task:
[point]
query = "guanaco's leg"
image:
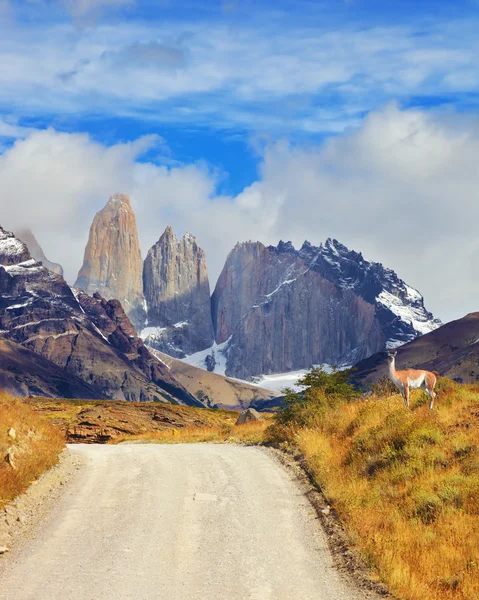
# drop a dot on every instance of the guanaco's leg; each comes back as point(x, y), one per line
point(406, 395)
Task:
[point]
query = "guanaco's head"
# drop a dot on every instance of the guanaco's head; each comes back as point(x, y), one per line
point(391, 355)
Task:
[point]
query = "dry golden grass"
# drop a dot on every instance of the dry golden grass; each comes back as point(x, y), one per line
point(35, 448)
point(248, 433)
point(406, 485)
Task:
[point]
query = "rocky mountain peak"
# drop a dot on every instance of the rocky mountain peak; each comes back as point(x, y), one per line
point(112, 264)
point(12, 250)
point(286, 247)
point(118, 201)
point(177, 294)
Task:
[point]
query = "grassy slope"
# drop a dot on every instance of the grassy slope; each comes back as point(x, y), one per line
point(35, 448)
point(406, 485)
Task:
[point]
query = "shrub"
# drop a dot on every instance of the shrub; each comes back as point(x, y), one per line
point(334, 383)
point(384, 387)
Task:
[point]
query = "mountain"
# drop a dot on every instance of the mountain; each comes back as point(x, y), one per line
point(452, 350)
point(218, 391)
point(177, 294)
point(36, 251)
point(399, 307)
point(278, 309)
point(112, 264)
point(24, 373)
point(89, 338)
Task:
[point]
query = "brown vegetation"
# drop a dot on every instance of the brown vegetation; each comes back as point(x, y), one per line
point(247, 433)
point(29, 445)
point(405, 483)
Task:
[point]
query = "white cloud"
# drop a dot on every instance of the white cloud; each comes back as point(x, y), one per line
point(402, 189)
point(261, 75)
point(9, 128)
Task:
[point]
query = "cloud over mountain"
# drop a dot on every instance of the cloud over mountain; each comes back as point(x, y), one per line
point(401, 188)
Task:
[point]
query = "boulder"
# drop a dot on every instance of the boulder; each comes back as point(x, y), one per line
point(249, 415)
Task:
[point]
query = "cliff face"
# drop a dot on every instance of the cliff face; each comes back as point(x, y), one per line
point(399, 307)
point(90, 339)
point(277, 309)
point(36, 251)
point(112, 264)
point(177, 294)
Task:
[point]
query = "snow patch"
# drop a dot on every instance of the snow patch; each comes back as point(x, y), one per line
point(220, 353)
point(152, 332)
point(24, 268)
point(414, 315)
point(279, 381)
point(10, 246)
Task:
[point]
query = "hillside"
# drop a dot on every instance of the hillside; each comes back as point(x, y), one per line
point(25, 373)
point(404, 482)
point(29, 445)
point(216, 390)
point(452, 350)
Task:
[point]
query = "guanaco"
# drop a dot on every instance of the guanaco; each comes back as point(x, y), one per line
point(411, 379)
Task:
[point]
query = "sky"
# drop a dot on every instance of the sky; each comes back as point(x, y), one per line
point(355, 119)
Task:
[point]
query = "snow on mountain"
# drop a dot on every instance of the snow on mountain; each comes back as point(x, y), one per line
point(399, 307)
point(212, 359)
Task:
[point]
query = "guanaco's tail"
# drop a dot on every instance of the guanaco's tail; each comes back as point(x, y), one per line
point(436, 374)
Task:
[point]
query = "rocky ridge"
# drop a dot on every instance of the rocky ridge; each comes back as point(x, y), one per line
point(112, 263)
point(88, 338)
point(177, 294)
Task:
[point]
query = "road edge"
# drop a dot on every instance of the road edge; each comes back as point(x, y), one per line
point(347, 560)
point(21, 516)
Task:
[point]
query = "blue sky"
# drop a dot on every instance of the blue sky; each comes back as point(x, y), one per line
point(216, 79)
point(260, 120)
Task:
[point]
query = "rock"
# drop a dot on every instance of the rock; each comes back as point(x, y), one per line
point(10, 458)
point(326, 511)
point(249, 415)
point(12, 433)
point(282, 309)
point(36, 251)
point(210, 363)
point(279, 315)
point(3, 549)
point(112, 264)
point(177, 293)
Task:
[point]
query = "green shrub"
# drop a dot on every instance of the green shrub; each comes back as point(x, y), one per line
point(334, 383)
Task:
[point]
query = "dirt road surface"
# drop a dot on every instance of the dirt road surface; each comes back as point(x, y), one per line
point(177, 522)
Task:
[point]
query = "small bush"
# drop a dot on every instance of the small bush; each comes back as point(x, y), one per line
point(384, 387)
point(427, 506)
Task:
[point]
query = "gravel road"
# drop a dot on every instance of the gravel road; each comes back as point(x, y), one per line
point(176, 522)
